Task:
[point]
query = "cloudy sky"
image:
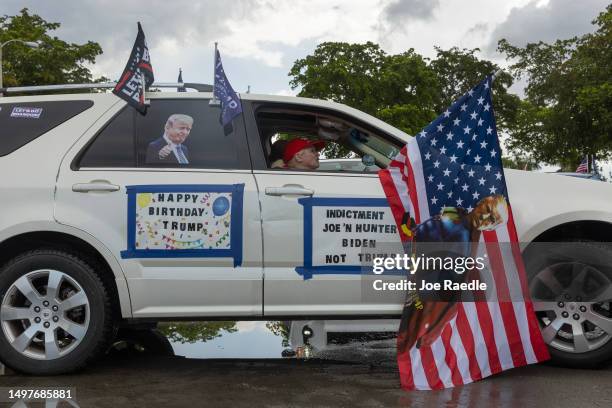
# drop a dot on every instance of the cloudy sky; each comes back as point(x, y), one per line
point(260, 39)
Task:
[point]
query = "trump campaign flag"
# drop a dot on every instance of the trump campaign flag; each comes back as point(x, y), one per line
point(137, 75)
point(447, 185)
point(223, 91)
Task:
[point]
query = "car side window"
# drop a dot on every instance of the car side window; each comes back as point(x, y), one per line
point(346, 145)
point(186, 133)
point(20, 123)
point(174, 133)
point(114, 145)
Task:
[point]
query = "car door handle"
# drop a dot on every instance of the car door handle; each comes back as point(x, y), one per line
point(92, 187)
point(289, 190)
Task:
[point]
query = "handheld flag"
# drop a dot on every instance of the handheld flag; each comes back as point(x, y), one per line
point(180, 81)
point(137, 75)
point(223, 91)
point(583, 167)
point(450, 179)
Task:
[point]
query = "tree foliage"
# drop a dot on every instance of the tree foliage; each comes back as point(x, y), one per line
point(54, 62)
point(566, 113)
point(405, 90)
point(399, 88)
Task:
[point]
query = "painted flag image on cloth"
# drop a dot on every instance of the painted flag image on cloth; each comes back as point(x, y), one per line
point(583, 167)
point(137, 75)
point(223, 91)
point(447, 185)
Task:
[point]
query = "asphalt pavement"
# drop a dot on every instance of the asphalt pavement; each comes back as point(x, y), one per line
point(339, 379)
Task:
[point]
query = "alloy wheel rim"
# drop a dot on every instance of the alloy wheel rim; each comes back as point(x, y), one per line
point(573, 304)
point(45, 314)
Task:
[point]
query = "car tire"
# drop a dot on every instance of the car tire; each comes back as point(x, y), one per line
point(571, 288)
point(55, 313)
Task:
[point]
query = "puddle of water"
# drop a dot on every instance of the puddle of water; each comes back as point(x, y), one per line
point(263, 340)
point(224, 339)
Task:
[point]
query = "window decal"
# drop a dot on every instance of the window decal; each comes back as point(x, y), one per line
point(23, 112)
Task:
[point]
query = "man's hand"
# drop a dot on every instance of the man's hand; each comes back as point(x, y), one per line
point(165, 151)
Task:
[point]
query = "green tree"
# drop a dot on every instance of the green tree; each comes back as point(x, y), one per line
point(405, 90)
point(54, 62)
point(400, 88)
point(566, 113)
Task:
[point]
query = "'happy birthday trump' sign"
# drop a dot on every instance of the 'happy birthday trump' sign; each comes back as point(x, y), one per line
point(166, 221)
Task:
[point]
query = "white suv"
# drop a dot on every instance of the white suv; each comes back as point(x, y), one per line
point(99, 228)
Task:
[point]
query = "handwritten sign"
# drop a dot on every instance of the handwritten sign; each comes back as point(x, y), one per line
point(185, 220)
point(341, 235)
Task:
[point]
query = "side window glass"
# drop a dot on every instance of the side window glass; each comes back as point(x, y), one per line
point(319, 140)
point(20, 123)
point(114, 145)
point(187, 133)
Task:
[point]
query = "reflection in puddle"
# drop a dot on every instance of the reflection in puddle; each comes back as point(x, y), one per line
point(225, 339)
point(253, 339)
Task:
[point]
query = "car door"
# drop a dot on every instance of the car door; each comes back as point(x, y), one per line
point(157, 215)
point(311, 261)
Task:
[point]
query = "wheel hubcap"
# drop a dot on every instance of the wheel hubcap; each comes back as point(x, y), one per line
point(45, 314)
point(572, 301)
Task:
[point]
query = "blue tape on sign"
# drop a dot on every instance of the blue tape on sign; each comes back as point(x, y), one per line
point(308, 270)
point(235, 229)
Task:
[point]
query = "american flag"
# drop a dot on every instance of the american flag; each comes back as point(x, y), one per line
point(583, 167)
point(456, 162)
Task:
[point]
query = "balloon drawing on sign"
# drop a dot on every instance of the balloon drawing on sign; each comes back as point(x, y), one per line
point(144, 199)
point(220, 206)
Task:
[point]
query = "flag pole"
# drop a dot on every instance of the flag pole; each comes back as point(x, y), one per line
point(214, 100)
point(144, 90)
point(495, 74)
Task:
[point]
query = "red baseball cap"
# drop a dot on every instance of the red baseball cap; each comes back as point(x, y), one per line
point(295, 145)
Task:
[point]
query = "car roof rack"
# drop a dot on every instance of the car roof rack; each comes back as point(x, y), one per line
point(101, 85)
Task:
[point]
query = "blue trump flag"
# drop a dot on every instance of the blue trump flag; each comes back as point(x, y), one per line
point(223, 91)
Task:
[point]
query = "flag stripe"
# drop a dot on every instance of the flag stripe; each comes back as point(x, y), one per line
point(467, 341)
point(421, 381)
point(508, 333)
point(439, 352)
point(405, 367)
point(417, 180)
point(463, 361)
point(485, 329)
point(450, 356)
point(430, 368)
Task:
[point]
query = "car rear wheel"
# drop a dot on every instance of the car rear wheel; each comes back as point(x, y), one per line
point(571, 289)
point(55, 313)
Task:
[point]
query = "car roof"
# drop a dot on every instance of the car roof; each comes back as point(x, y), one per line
point(310, 102)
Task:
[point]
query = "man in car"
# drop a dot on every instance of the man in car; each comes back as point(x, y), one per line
point(302, 154)
point(169, 148)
